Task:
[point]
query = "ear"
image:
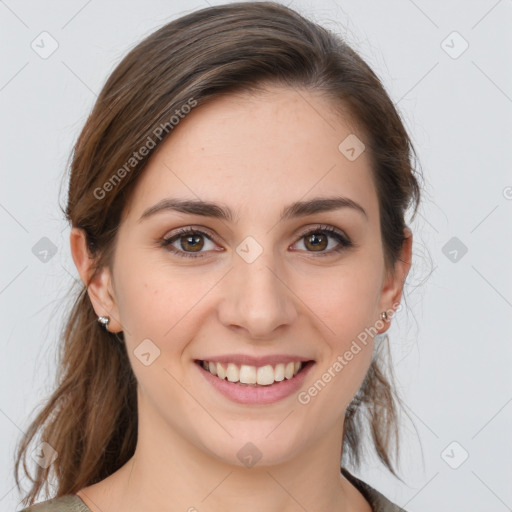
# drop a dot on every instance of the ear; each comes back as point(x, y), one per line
point(99, 286)
point(391, 293)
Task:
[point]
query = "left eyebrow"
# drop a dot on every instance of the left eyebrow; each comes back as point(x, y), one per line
point(325, 204)
point(218, 211)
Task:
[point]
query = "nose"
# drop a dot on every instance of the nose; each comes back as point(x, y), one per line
point(257, 298)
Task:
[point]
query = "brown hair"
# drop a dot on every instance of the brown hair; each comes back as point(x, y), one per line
point(91, 417)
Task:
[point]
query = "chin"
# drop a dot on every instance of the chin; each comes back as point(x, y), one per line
point(254, 447)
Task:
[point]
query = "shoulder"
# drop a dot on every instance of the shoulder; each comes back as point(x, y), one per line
point(377, 500)
point(67, 503)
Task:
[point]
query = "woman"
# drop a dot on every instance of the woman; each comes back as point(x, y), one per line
point(237, 200)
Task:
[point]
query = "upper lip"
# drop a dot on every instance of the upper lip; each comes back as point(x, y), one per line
point(243, 359)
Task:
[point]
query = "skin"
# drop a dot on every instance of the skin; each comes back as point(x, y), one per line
point(255, 154)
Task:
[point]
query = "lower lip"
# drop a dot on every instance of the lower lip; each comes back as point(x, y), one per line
point(257, 394)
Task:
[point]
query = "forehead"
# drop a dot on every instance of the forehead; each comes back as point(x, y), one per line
point(250, 150)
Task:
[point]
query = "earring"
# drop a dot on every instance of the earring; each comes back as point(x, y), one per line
point(104, 321)
point(384, 315)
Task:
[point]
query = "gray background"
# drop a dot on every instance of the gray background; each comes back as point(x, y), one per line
point(451, 345)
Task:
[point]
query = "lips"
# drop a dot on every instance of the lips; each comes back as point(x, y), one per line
point(255, 381)
point(253, 375)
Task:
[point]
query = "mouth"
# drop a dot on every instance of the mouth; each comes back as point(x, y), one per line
point(254, 376)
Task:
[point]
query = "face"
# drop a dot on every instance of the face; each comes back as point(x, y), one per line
point(261, 293)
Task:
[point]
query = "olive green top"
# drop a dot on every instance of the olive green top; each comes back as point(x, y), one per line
point(72, 503)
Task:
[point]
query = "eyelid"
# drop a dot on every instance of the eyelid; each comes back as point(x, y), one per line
point(191, 228)
point(323, 227)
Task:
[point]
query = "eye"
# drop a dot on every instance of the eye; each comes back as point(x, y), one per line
point(188, 243)
point(317, 239)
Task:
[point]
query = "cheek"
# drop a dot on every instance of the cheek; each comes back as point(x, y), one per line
point(344, 305)
point(157, 302)
point(344, 302)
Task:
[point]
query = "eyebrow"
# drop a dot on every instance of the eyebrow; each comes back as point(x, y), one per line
point(222, 212)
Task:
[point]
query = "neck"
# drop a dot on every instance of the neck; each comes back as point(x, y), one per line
point(168, 473)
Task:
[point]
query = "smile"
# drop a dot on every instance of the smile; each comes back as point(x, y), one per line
point(251, 375)
point(255, 382)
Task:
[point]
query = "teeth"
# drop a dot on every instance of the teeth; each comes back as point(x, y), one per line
point(251, 375)
point(279, 372)
point(288, 370)
point(248, 374)
point(221, 371)
point(233, 373)
point(265, 375)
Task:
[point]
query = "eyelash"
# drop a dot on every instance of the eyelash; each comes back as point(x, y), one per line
point(344, 242)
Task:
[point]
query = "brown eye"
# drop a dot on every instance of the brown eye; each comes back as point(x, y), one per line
point(189, 243)
point(324, 241)
point(318, 242)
